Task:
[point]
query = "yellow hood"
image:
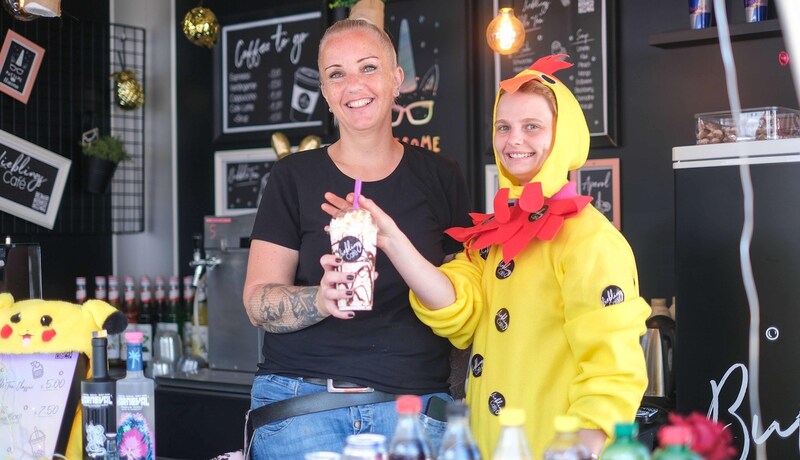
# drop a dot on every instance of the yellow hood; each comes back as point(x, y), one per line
point(571, 135)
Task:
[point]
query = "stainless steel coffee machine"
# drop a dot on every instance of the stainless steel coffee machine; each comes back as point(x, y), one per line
point(220, 391)
point(21, 269)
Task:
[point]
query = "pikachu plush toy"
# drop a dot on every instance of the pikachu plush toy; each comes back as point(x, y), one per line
point(52, 326)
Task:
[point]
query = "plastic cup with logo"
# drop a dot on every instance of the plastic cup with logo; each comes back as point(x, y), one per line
point(755, 10)
point(700, 13)
point(305, 94)
point(353, 238)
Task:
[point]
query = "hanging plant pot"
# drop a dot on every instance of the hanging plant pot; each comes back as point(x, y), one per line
point(97, 174)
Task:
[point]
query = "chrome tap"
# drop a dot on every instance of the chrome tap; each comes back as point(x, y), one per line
point(199, 263)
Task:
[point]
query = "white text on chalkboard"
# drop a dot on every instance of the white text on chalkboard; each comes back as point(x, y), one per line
point(249, 54)
point(17, 174)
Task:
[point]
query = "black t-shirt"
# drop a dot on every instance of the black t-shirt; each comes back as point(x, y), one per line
point(387, 348)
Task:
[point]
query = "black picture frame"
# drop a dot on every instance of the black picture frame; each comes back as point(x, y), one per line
point(590, 38)
point(276, 54)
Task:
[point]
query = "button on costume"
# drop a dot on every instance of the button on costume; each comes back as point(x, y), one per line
point(547, 294)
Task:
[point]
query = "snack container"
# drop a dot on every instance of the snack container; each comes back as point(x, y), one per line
point(764, 123)
point(353, 239)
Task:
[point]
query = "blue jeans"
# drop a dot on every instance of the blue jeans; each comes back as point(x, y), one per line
point(293, 437)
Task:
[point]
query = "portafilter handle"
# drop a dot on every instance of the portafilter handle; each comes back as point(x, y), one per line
point(199, 263)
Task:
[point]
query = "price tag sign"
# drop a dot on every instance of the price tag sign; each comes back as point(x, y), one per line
point(34, 394)
point(20, 59)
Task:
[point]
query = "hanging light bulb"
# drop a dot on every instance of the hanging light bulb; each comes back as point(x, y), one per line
point(505, 34)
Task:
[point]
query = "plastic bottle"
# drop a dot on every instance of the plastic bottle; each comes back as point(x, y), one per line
point(97, 401)
point(187, 308)
point(513, 442)
point(674, 442)
point(147, 319)
point(409, 441)
point(565, 445)
point(625, 445)
point(112, 452)
point(80, 289)
point(136, 408)
point(114, 346)
point(457, 442)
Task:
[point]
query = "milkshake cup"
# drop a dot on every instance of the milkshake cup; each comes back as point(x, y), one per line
point(353, 237)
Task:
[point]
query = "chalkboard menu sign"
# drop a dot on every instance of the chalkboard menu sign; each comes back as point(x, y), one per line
point(38, 400)
point(583, 29)
point(240, 178)
point(20, 59)
point(432, 109)
point(32, 180)
point(269, 74)
point(600, 180)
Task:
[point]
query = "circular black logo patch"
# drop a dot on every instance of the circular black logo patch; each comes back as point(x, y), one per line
point(485, 252)
point(350, 248)
point(476, 364)
point(612, 295)
point(504, 270)
point(538, 214)
point(502, 319)
point(496, 402)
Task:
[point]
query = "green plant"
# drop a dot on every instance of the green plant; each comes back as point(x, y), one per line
point(109, 148)
point(344, 3)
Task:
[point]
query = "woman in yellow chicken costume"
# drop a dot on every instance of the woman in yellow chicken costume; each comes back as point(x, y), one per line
point(546, 291)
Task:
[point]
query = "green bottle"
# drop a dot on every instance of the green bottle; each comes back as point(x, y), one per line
point(675, 444)
point(625, 445)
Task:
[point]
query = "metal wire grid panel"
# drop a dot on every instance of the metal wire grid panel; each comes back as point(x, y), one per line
point(127, 48)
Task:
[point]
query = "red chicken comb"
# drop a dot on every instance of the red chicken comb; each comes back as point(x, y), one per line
point(551, 64)
point(548, 65)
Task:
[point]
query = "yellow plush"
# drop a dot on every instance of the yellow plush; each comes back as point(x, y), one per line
point(52, 326)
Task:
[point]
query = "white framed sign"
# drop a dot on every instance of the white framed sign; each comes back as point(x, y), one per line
point(239, 179)
point(32, 180)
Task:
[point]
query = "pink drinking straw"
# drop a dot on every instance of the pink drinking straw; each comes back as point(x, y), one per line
point(357, 193)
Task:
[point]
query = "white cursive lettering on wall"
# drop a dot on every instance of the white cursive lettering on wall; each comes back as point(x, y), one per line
point(751, 433)
point(249, 54)
point(17, 174)
point(589, 185)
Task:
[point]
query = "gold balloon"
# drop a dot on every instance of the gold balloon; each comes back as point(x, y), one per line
point(309, 142)
point(128, 90)
point(201, 27)
point(281, 145)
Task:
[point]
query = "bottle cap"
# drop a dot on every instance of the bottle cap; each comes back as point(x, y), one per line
point(626, 430)
point(134, 337)
point(674, 435)
point(511, 416)
point(566, 423)
point(99, 334)
point(409, 404)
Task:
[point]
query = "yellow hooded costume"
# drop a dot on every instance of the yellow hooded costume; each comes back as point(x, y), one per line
point(554, 327)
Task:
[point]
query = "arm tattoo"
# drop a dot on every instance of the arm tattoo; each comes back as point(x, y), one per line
point(283, 309)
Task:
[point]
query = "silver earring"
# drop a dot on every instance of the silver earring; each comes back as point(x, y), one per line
point(329, 110)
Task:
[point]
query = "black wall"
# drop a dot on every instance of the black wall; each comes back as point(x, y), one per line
point(70, 95)
point(659, 91)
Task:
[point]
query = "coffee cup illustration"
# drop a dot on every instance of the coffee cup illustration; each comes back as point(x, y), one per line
point(305, 94)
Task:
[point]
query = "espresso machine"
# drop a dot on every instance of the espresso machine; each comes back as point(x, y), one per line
point(234, 350)
point(21, 269)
